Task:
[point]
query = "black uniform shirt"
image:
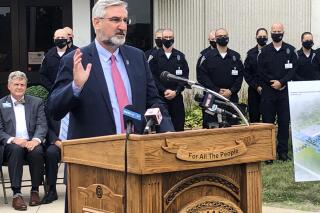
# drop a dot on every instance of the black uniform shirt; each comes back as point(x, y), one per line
point(202, 53)
point(49, 67)
point(215, 72)
point(277, 65)
point(152, 52)
point(308, 67)
point(176, 65)
point(251, 67)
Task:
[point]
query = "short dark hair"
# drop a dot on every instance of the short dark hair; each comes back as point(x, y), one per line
point(259, 29)
point(305, 33)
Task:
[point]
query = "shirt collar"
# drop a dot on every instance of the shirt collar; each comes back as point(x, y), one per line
point(13, 99)
point(105, 53)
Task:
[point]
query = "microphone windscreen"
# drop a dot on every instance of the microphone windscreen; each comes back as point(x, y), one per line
point(130, 113)
point(164, 76)
point(154, 114)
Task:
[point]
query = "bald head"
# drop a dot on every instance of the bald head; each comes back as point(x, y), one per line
point(277, 28)
point(69, 31)
point(60, 33)
point(211, 35)
point(221, 32)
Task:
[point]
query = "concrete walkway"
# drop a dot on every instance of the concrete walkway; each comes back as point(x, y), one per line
point(58, 205)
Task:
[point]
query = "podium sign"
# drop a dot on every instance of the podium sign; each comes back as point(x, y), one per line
point(216, 170)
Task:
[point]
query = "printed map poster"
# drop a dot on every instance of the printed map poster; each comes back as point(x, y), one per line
point(304, 100)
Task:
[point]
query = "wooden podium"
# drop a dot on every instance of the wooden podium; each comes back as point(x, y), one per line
point(216, 170)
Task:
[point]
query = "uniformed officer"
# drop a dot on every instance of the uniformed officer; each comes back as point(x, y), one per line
point(221, 70)
point(158, 41)
point(251, 75)
point(308, 60)
point(277, 63)
point(50, 64)
point(171, 60)
point(212, 45)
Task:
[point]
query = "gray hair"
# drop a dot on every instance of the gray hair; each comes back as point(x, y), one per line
point(98, 10)
point(17, 74)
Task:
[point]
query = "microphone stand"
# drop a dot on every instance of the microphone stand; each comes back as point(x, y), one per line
point(227, 101)
point(128, 132)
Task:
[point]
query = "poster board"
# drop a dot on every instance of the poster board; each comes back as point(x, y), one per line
point(304, 101)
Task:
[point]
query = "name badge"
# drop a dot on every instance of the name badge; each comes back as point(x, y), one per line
point(288, 66)
point(6, 105)
point(178, 72)
point(234, 72)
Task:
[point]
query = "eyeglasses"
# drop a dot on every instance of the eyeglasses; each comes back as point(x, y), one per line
point(117, 20)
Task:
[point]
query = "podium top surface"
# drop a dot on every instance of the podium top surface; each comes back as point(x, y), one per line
point(175, 151)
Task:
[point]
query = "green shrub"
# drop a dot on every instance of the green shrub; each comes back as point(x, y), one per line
point(193, 117)
point(37, 91)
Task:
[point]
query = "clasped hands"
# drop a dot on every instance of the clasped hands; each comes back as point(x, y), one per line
point(225, 92)
point(170, 94)
point(30, 145)
point(275, 84)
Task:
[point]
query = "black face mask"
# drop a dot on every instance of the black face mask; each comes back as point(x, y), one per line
point(158, 42)
point(262, 41)
point(223, 41)
point(167, 43)
point(213, 44)
point(276, 37)
point(307, 44)
point(60, 42)
point(70, 40)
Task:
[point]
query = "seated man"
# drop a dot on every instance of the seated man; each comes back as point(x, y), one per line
point(23, 128)
point(56, 134)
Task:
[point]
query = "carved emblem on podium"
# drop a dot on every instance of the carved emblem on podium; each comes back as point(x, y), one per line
point(213, 153)
point(211, 204)
point(98, 198)
point(201, 179)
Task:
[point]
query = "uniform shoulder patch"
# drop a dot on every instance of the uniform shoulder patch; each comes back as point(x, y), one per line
point(150, 58)
point(203, 58)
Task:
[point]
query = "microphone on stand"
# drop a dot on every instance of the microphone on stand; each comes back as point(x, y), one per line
point(153, 117)
point(166, 76)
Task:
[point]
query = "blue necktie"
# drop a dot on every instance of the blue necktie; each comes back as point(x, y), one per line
point(64, 124)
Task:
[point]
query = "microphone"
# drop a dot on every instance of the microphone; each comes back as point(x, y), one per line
point(166, 76)
point(153, 116)
point(131, 117)
point(216, 109)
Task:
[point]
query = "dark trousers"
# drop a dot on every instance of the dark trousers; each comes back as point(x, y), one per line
point(254, 99)
point(52, 159)
point(16, 156)
point(176, 111)
point(275, 104)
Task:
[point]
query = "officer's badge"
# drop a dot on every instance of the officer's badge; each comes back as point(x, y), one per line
point(178, 57)
point(288, 51)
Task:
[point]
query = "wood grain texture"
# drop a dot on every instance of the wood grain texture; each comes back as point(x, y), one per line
point(146, 156)
point(157, 180)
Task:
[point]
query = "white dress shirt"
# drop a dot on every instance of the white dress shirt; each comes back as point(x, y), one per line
point(21, 124)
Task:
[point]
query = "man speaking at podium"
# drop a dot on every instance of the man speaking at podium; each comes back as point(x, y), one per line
point(96, 82)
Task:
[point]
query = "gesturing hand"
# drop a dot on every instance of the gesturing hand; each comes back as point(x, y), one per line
point(80, 75)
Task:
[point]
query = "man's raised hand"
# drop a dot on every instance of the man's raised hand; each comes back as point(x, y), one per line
point(80, 75)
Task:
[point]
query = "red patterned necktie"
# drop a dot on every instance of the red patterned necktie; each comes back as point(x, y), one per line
point(120, 89)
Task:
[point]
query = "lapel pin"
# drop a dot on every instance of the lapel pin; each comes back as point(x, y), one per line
point(127, 62)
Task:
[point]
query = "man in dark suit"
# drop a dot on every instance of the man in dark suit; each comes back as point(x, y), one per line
point(95, 83)
point(23, 128)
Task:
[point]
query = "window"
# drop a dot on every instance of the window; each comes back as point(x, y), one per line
point(5, 40)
